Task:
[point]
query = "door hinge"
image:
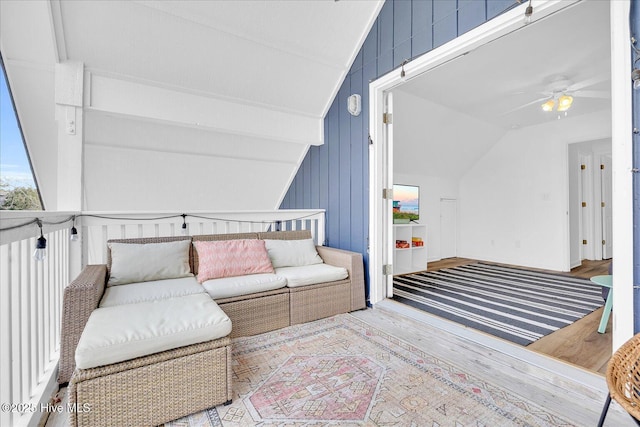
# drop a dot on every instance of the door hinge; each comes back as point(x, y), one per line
point(602, 204)
point(584, 242)
point(583, 167)
point(387, 118)
point(584, 204)
point(387, 269)
point(387, 193)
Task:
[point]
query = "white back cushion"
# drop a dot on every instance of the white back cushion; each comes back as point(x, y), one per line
point(133, 262)
point(292, 253)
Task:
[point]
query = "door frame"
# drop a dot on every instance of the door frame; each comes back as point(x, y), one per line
point(621, 146)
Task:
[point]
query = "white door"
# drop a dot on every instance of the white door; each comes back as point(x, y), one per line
point(448, 228)
point(605, 187)
point(387, 216)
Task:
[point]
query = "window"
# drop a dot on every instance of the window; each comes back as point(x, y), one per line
point(18, 189)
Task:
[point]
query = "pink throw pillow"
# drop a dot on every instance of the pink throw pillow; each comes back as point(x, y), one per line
point(227, 258)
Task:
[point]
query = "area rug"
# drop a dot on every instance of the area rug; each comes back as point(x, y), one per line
point(515, 304)
point(342, 372)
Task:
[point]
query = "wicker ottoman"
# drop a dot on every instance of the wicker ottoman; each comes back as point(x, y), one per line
point(154, 389)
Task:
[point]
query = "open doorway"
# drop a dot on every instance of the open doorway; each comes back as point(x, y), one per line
point(486, 142)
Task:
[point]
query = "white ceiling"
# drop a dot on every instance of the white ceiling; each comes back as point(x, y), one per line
point(494, 82)
point(288, 55)
point(223, 82)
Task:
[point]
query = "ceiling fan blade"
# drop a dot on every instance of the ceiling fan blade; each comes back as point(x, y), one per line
point(588, 82)
point(524, 105)
point(593, 94)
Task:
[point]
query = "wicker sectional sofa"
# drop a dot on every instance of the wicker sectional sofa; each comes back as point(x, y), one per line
point(155, 388)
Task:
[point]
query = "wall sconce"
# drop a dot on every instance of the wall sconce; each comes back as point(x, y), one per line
point(354, 104)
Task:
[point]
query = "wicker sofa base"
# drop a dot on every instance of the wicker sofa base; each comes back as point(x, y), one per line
point(309, 303)
point(257, 313)
point(154, 389)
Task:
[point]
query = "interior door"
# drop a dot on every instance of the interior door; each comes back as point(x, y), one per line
point(387, 216)
point(448, 228)
point(606, 215)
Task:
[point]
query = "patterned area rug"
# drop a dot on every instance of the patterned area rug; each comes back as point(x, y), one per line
point(515, 304)
point(341, 371)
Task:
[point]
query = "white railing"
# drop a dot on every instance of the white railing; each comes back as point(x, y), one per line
point(98, 227)
point(31, 292)
point(30, 310)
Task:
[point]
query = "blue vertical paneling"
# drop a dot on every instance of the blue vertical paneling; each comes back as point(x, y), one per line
point(345, 167)
point(306, 171)
point(401, 53)
point(385, 28)
point(496, 7)
point(635, 32)
point(333, 208)
point(356, 196)
point(324, 169)
point(370, 47)
point(421, 27)
point(401, 31)
point(445, 22)
point(471, 13)
point(385, 39)
point(335, 176)
point(315, 173)
point(401, 22)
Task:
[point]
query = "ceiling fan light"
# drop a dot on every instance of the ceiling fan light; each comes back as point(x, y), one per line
point(564, 102)
point(548, 106)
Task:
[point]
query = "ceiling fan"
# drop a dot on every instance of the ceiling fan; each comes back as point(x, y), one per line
point(560, 91)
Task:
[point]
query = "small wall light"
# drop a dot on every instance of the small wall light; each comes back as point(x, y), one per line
point(354, 104)
point(41, 245)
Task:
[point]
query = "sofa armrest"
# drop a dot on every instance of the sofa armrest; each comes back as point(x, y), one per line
point(81, 297)
point(352, 261)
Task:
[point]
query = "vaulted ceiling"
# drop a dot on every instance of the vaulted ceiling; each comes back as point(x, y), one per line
point(230, 82)
point(468, 104)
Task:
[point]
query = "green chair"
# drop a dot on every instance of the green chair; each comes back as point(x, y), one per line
point(605, 281)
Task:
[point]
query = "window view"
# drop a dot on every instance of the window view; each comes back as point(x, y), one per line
point(18, 190)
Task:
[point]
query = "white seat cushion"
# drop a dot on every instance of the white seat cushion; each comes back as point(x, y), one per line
point(311, 274)
point(124, 332)
point(150, 291)
point(227, 287)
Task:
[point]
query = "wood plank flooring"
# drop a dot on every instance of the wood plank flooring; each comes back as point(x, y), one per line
point(579, 343)
point(571, 392)
point(568, 390)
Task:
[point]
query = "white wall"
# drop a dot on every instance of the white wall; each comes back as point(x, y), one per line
point(432, 189)
point(432, 150)
point(433, 140)
point(514, 200)
point(132, 164)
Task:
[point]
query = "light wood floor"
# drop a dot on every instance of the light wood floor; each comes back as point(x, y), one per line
point(569, 391)
point(580, 343)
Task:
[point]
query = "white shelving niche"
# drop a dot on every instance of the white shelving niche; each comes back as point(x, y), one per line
point(413, 258)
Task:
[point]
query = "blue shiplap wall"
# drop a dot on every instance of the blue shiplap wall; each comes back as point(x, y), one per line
point(635, 32)
point(335, 176)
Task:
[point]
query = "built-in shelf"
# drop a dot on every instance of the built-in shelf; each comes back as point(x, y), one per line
point(412, 258)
